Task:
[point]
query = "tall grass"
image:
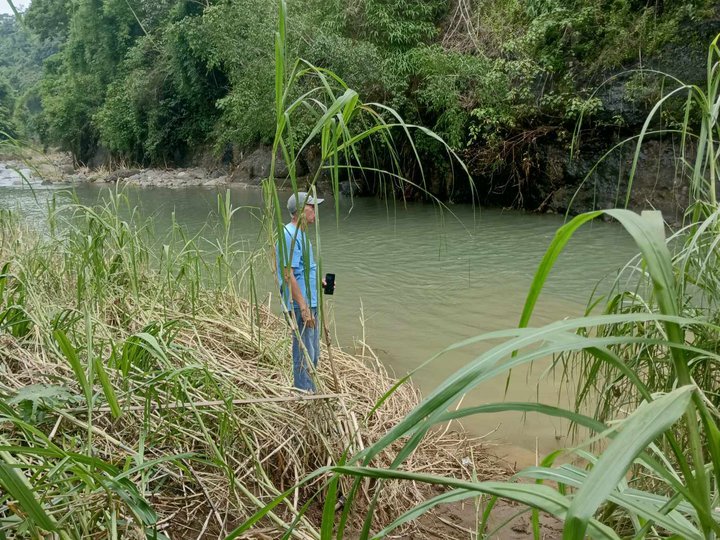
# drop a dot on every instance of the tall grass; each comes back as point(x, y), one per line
point(693, 280)
point(138, 400)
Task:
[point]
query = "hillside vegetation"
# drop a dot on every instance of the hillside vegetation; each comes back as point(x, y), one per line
point(165, 82)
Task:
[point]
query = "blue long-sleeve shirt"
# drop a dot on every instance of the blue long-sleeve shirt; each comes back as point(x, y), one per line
point(299, 256)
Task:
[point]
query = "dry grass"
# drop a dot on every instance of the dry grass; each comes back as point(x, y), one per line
point(218, 387)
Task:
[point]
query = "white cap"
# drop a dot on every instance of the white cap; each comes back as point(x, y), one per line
point(300, 200)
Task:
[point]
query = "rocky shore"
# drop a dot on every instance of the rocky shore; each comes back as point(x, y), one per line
point(58, 167)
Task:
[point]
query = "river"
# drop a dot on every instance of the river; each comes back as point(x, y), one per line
point(412, 280)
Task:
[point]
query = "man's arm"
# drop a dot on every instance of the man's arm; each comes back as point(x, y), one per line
point(298, 297)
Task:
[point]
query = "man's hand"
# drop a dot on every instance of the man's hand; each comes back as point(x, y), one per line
point(307, 317)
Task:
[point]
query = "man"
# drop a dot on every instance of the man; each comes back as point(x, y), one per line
point(297, 273)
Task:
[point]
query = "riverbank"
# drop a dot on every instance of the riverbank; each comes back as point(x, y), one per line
point(457, 312)
point(481, 244)
point(59, 167)
point(177, 392)
point(657, 185)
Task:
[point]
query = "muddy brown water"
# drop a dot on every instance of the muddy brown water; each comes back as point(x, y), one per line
point(412, 280)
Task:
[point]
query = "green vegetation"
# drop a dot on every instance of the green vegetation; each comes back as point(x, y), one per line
point(143, 354)
point(21, 58)
point(166, 82)
point(7, 127)
point(144, 395)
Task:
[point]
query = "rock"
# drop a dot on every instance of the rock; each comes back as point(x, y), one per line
point(254, 168)
point(121, 174)
point(218, 181)
point(201, 173)
point(311, 158)
point(562, 183)
point(349, 188)
point(96, 177)
point(227, 155)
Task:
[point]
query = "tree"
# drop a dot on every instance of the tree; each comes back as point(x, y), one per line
point(7, 127)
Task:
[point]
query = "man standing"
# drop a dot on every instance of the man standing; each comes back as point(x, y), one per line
point(297, 273)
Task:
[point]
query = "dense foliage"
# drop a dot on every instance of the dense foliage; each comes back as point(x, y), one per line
point(21, 58)
point(164, 81)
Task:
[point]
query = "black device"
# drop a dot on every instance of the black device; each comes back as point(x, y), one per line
point(329, 287)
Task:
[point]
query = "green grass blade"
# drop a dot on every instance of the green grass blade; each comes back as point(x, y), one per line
point(70, 354)
point(525, 406)
point(265, 510)
point(17, 486)
point(641, 137)
point(129, 494)
point(455, 495)
point(647, 229)
point(562, 236)
point(536, 496)
point(634, 501)
point(639, 430)
point(108, 389)
point(328, 515)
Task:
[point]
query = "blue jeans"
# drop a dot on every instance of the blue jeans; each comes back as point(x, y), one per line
point(304, 350)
